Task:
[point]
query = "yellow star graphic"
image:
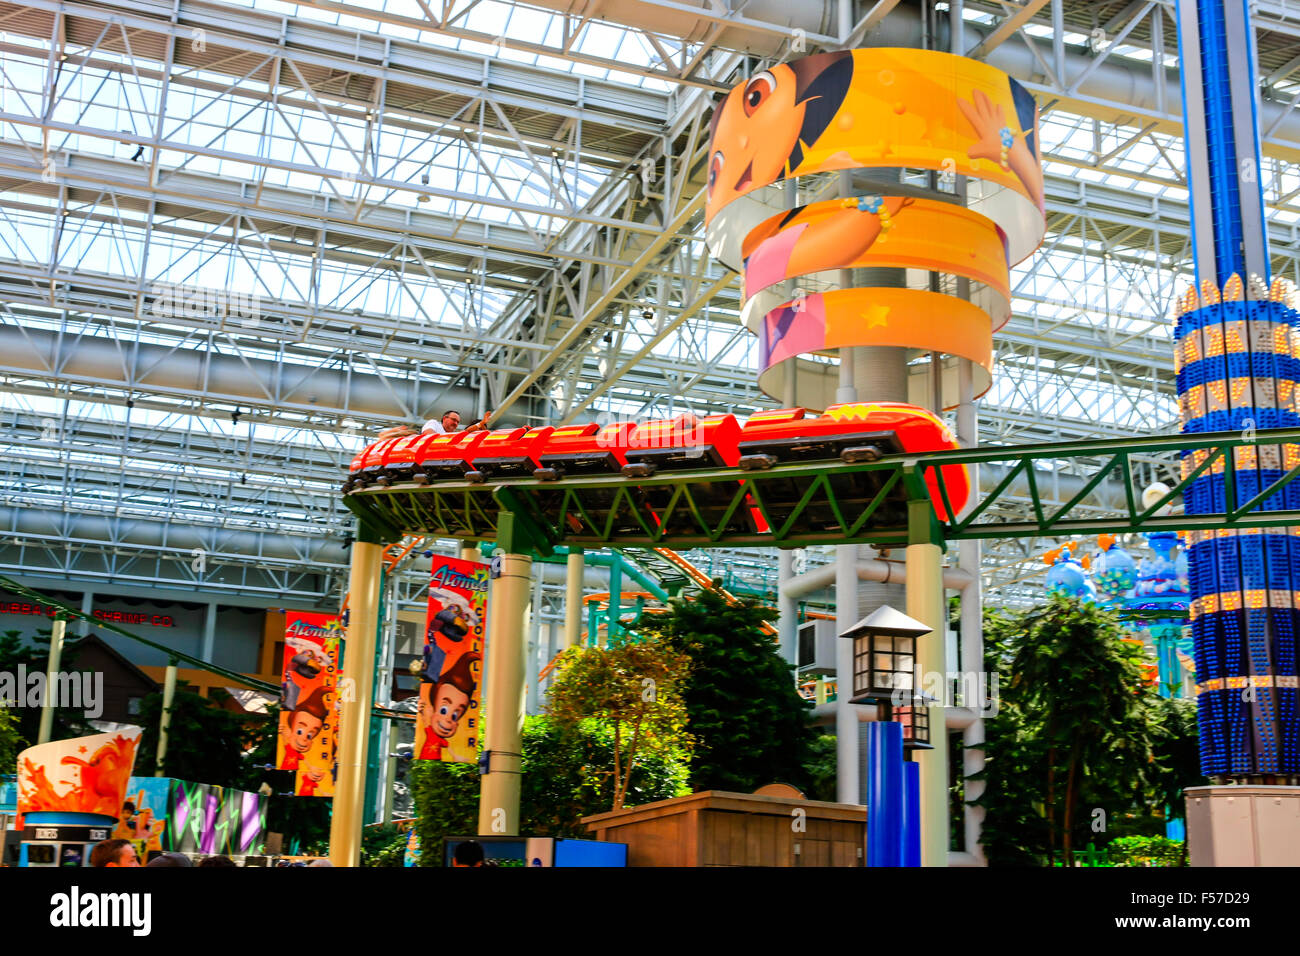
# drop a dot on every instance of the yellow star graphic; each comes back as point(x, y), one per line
point(876, 315)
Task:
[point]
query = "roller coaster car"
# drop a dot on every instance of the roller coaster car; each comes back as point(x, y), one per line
point(860, 431)
point(354, 469)
point(682, 442)
point(397, 465)
point(584, 450)
point(508, 453)
point(446, 456)
point(367, 471)
point(787, 435)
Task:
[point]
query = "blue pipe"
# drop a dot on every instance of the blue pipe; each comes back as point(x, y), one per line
point(911, 813)
point(885, 793)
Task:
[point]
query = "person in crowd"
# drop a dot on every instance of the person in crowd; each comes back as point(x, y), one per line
point(114, 853)
point(169, 859)
point(468, 853)
point(219, 860)
point(447, 425)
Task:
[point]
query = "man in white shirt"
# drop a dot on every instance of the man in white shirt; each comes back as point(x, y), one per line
point(449, 424)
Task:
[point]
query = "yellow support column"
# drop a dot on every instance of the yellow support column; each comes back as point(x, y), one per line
point(574, 568)
point(503, 697)
point(48, 704)
point(165, 720)
point(925, 603)
point(354, 706)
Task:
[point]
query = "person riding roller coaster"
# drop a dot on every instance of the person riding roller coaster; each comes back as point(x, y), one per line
point(449, 424)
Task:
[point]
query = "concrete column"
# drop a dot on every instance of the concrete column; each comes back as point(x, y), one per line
point(469, 551)
point(88, 609)
point(353, 714)
point(925, 603)
point(498, 811)
point(165, 720)
point(554, 638)
point(390, 777)
point(787, 623)
point(48, 704)
point(534, 648)
point(208, 648)
point(847, 613)
point(573, 598)
point(972, 624)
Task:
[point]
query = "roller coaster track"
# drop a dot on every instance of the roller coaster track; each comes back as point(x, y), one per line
point(658, 560)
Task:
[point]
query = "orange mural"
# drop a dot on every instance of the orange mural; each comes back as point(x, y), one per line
point(891, 108)
point(973, 127)
point(89, 774)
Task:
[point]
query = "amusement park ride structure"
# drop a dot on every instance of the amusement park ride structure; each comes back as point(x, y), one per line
point(585, 489)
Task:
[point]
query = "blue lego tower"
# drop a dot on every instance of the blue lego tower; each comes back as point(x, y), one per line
point(1237, 369)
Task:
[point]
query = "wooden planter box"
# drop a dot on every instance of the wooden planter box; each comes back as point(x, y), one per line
point(716, 828)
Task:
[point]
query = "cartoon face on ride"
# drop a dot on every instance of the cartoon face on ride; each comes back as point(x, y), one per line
point(759, 131)
point(444, 713)
point(444, 704)
point(303, 729)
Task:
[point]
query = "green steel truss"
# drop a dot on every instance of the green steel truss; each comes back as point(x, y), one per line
point(884, 503)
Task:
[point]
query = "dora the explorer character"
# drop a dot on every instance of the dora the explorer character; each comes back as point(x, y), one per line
point(996, 142)
point(758, 133)
point(446, 704)
point(302, 726)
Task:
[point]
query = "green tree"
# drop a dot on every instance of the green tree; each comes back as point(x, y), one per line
point(205, 742)
point(749, 723)
point(33, 653)
point(1077, 731)
point(567, 775)
point(820, 769)
point(1178, 754)
point(11, 742)
point(635, 690)
point(383, 846)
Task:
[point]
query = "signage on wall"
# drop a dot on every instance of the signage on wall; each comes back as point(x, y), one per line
point(114, 617)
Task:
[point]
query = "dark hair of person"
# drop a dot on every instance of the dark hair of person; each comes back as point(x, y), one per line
point(468, 853)
point(107, 852)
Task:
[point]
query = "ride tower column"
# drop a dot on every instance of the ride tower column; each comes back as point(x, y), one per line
point(898, 274)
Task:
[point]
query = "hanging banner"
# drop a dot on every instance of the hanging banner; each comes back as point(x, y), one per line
point(80, 775)
point(308, 702)
point(143, 819)
point(449, 722)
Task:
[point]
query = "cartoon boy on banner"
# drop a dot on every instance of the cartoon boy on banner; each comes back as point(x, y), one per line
point(448, 726)
point(308, 717)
